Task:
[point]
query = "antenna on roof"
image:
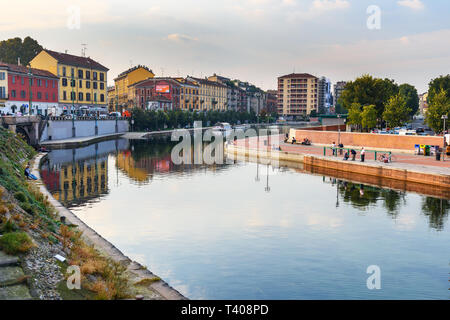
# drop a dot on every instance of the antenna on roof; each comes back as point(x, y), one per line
point(83, 49)
point(18, 61)
point(65, 51)
point(162, 72)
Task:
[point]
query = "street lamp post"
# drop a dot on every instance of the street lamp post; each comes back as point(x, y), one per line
point(339, 129)
point(444, 117)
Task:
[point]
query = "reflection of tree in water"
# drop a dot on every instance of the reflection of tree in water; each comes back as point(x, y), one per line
point(362, 196)
point(144, 149)
point(392, 201)
point(437, 211)
point(359, 195)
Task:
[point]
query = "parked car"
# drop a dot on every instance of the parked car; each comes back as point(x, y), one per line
point(115, 114)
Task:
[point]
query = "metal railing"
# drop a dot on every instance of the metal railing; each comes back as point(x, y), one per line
point(337, 151)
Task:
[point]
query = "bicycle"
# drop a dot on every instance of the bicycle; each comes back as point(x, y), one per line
point(386, 158)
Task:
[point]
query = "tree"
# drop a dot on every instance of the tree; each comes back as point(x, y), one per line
point(14, 48)
point(354, 115)
point(436, 85)
point(396, 112)
point(369, 117)
point(367, 90)
point(411, 97)
point(439, 107)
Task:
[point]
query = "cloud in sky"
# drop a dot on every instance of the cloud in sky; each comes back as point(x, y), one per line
point(413, 4)
point(254, 40)
point(180, 37)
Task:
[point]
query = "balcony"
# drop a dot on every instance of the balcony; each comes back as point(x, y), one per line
point(4, 97)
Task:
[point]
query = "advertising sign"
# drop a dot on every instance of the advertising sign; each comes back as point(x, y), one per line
point(163, 88)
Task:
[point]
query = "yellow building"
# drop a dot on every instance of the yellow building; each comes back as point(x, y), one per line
point(212, 95)
point(3, 85)
point(189, 94)
point(123, 93)
point(82, 81)
point(112, 99)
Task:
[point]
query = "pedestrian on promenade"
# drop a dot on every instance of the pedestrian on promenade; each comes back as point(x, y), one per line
point(333, 147)
point(341, 147)
point(353, 154)
point(363, 154)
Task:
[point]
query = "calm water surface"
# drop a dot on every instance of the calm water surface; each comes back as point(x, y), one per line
point(235, 232)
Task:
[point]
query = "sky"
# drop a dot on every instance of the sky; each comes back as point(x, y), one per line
point(251, 40)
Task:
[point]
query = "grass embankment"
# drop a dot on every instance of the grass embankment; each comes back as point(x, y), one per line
point(27, 219)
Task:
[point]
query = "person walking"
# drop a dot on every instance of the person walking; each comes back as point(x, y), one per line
point(333, 147)
point(363, 154)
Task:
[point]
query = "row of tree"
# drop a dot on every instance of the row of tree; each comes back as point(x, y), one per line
point(372, 102)
point(13, 49)
point(145, 120)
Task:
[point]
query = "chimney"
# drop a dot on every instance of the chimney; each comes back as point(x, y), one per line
point(65, 51)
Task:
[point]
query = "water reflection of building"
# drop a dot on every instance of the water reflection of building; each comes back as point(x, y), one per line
point(75, 176)
point(83, 181)
point(149, 159)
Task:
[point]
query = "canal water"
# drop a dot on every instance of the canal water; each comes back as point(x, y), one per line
point(252, 231)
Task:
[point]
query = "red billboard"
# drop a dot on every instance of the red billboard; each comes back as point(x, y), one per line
point(163, 88)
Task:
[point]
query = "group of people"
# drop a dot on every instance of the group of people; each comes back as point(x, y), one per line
point(353, 153)
point(305, 141)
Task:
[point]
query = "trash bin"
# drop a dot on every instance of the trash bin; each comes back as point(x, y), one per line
point(422, 149)
point(416, 149)
point(427, 150)
point(438, 154)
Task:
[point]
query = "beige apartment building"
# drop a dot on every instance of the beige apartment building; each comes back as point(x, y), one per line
point(297, 94)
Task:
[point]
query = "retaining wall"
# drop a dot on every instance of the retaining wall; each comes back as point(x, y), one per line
point(367, 140)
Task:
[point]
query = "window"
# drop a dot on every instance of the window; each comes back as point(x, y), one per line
point(2, 76)
point(64, 71)
point(64, 95)
point(46, 83)
point(54, 97)
point(13, 93)
point(54, 83)
point(80, 96)
point(81, 84)
point(102, 76)
point(94, 75)
point(72, 96)
point(39, 95)
point(95, 97)
point(88, 84)
point(31, 81)
point(72, 83)
point(22, 80)
point(64, 82)
point(88, 97)
point(13, 79)
point(46, 96)
point(102, 98)
point(23, 94)
point(88, 74)
point(102, 86)
point(80, 74)
point(38, 81)
point(2, 92)
point(94, 85)
point(72, 72)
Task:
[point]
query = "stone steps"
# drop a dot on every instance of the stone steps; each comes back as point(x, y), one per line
point(12, 279)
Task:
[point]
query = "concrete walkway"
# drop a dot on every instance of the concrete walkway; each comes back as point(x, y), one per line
point(73, 142)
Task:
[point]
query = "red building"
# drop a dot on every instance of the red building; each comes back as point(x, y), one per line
point(164, 91)
point(43, 87)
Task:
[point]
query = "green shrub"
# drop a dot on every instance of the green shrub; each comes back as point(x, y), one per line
point(20, 196)
point(28, 208)
point(16, 242)
point(9, 226)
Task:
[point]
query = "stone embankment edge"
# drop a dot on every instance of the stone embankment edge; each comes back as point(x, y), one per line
point(103, 245)
point(80, 142)
point(407, 175)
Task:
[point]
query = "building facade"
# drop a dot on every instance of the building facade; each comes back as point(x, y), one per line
point(149, 91)
point(212, 95)
point(297, 94)
point(272, 100)
point(82, 81)
point(325, 99)
point(123, 92)
point(337, 91)
point(423, 103)
point(27, 90)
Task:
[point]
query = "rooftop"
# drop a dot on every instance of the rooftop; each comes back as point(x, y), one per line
point(77, 61)
point(22, 69)
point(133, 69)
point(298, 75)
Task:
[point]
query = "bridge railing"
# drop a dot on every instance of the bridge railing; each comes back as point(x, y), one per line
point(337, 151)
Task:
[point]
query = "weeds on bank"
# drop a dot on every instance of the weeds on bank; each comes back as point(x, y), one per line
point(16, 242)
point(101, 275)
